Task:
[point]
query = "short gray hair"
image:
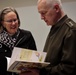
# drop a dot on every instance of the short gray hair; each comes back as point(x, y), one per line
point(52, 2)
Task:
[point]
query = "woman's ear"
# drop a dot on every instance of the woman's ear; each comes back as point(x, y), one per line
point(3, 24)
point(1, 29)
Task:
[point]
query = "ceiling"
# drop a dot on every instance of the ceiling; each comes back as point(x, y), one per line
point(23, 3)
point(68, 0)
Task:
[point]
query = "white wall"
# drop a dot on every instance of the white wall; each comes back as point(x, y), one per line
point(30, 18)
point(70, 9)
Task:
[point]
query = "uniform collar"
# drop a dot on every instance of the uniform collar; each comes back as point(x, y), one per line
point(60, 22)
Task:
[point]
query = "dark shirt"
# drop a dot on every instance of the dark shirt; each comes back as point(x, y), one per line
point(61, 49)
point(24, 40)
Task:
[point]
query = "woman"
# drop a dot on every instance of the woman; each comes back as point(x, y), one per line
point(12, 36)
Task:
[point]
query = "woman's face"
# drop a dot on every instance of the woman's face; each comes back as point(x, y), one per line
point(10, 22)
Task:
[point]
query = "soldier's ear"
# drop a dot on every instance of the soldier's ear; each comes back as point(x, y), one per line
point(56, 7)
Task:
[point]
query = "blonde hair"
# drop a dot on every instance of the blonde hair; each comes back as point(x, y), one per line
point(6, 10)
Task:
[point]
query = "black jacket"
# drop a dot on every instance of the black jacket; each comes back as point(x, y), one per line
point(24, 40)
point(61, 49)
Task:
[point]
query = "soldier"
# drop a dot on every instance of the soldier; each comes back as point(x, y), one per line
point(61, 40)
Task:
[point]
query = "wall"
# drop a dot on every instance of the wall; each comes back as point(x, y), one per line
point(30, 18)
